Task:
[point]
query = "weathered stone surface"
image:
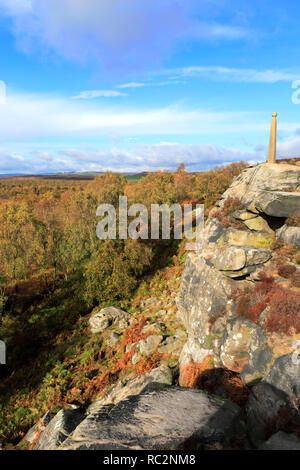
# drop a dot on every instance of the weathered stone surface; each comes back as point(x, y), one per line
point(59, 429)
point(285, 375)
point(281, 441)
point(203, 292)
point(212, 231)
point(263, 178)
point(113, 339)
point(290, 235)
point(232, 258)
point(276, 203)
point(148, 346)
point(258, 224)
point(166, 419)
point(236, 261)
point(173, 344)
point(279, 390)
point(264, 404)
point(244, 215)
point(260, 357)
point(106, 317)
point(153, 327)
point(156, 378)
point(241, 238)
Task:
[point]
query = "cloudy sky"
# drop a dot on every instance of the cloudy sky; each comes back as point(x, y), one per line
point(137, 85)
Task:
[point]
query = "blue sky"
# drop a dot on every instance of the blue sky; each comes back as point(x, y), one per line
point(132, 85)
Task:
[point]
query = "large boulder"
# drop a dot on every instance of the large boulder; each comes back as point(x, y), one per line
point(167, 419)
point(276, 203)
point(290, 235)
point(285, 375)
point(59, 428)
point(262, 178)
point(275, 400)
point(106, 317)
point(236, 261)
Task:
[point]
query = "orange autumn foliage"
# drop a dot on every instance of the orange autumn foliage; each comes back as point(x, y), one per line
point(192, 371)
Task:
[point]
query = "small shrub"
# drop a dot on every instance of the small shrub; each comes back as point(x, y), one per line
point(286, 270)
point(284, 316)
point(191, 372)
point(293, 220)
point(224, 215)
point(229, 382)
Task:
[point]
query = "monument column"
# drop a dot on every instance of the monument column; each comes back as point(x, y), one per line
point(273, 138)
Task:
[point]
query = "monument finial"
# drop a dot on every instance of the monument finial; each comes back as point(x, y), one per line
point(273, 139)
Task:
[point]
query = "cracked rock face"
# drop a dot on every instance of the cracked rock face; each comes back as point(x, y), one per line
point(204, 291)
point(166, 419)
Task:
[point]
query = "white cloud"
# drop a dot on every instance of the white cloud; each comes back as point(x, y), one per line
point(90, 94)
point(234, 74)
point(132, 85)
point(42, 116)
point(131, 34)
point(150, 84)
point(290, 147)
point(43, 155)
point(166, 155)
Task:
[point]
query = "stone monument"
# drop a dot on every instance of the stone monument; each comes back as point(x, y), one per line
point(273, 138)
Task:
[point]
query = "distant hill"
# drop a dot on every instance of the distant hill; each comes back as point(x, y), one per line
point(79, 176)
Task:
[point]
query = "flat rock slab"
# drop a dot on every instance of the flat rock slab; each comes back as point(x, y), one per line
point(276, 203)
point(154, 380)
point(167, 419)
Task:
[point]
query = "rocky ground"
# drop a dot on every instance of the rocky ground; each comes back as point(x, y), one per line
point(227, 370)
